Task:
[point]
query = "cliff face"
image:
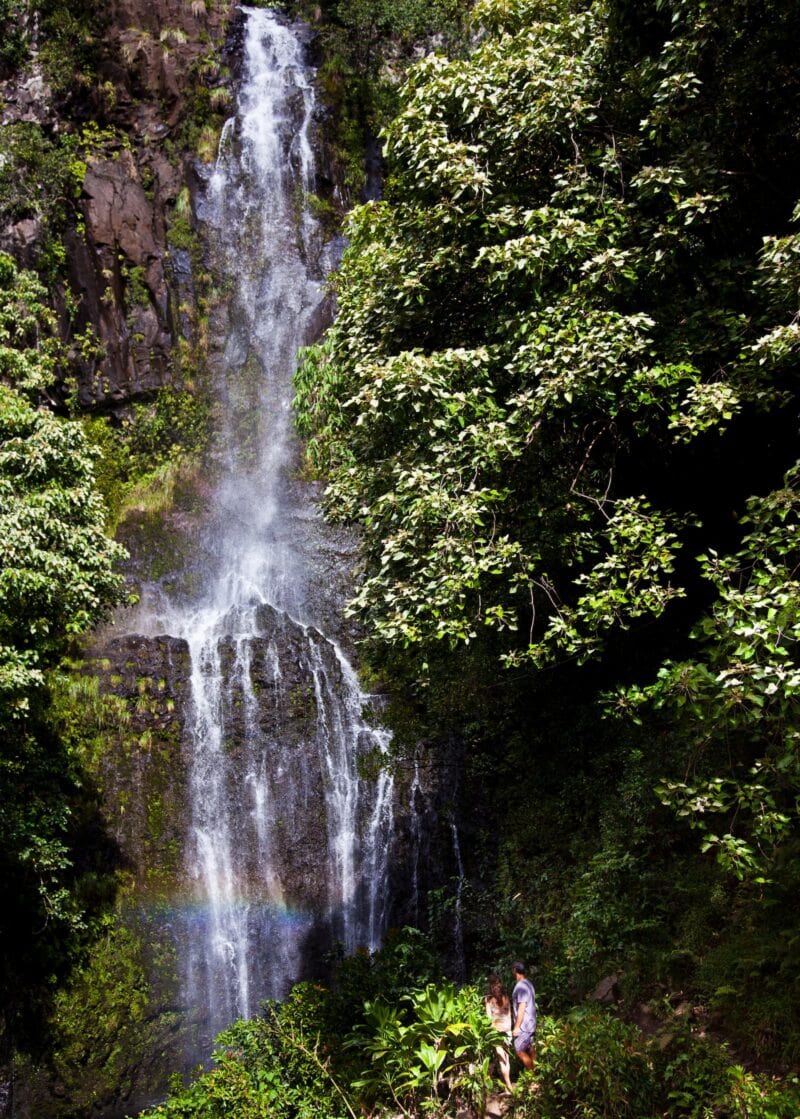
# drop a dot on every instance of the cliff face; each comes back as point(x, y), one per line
point(139, 277)
point(125, 235)
point(131, 276)
point(158, 90)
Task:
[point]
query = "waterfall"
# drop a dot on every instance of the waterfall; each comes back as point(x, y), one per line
point(458, 922)
point(416, 801)
point(287, 845)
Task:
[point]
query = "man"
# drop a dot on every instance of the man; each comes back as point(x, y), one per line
point(523, 1002)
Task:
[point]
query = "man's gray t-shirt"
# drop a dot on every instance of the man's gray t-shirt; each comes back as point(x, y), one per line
point(523, 991)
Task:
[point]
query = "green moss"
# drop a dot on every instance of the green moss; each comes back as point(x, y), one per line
point(302, 702)
point(110, 1027)
point(136, 289)
point(146, 460)
point(181, 234)
point(324, 211)
point(87, 718)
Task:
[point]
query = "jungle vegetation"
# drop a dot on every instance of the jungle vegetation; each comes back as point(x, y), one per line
point(57, 579)
point(560, 403)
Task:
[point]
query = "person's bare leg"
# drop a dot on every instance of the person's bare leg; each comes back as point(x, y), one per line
point(505, 1067)
point(526, 1056)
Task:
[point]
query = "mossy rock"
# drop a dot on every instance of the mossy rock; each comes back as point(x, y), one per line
point(114, 1030)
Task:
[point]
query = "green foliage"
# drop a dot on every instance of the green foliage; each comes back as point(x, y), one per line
point(437, 1041)
point(106, 1027)
point(57, 579)
point(207, 101)
point(55, 863)
point(741, 699)
point(506, 353)
point(383, 1036)
point(57, 575)
point(591, 1065)
point(275, 1065)
point(758, 1097)
point(70, 52)
point(35, 177)
point(696, 1079)
point(693, 1071)
point(142, 456)
point(68, 40)
point(13, 45)
point(427, 1052)
point(367, 31)
point(366, 48)
point(565, 361)
point(41, 178)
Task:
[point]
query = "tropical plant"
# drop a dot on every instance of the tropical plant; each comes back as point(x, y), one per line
point(565, 362)
point(57, 579)
point(516, 339)
point(272, 1065)
point(429, 1052)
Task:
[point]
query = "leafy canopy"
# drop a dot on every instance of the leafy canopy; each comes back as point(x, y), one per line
point(563, 298)
point(56, 564)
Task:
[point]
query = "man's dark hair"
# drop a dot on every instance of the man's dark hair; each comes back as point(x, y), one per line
point(518, 968)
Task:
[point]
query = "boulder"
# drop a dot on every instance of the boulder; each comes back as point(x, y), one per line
point(607, 990)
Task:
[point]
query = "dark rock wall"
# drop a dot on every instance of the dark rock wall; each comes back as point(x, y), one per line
point(141, 772)
point(125, 230)
point(120, 262)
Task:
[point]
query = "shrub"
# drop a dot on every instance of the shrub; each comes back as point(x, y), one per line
point(691, 1073)
point(431, 1051)
point(591, 1065)
point(758, 1097)
point(266, 1066)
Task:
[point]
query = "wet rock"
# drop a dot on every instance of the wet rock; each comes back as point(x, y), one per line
point(124, 238)
point(162, 40)
point(27, 100)
point(498, 1104)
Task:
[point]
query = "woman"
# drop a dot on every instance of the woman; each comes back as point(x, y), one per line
point(498, 1008)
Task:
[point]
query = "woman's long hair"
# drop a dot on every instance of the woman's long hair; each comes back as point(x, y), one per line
point(495, 989)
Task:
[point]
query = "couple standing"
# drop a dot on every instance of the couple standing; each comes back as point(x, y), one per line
point(516, 1018)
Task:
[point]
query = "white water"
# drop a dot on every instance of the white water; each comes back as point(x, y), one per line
point(288, 847)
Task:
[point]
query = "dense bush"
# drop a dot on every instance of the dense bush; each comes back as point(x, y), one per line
point(428, 1052)
point(591, 1065)
point(431, 1052)
point(57, 579)
point(267, 1066)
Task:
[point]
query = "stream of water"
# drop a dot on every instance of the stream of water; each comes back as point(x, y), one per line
point(288, 847)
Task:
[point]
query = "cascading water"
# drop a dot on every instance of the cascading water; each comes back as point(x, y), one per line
point(287, 846)
point(458, 923)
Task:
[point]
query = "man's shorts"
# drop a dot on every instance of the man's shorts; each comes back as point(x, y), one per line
point(523, 1041)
